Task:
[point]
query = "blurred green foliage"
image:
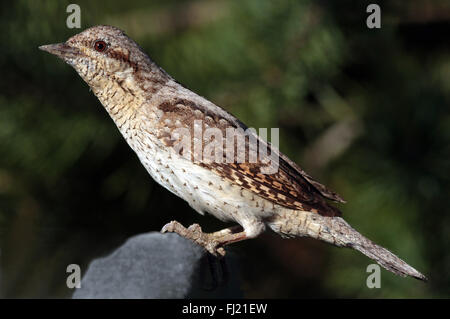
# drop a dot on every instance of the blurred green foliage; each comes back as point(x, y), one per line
point(364, 111)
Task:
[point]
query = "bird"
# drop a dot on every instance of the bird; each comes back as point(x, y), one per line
point(183, 141)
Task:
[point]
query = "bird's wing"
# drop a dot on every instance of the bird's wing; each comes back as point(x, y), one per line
point(288, 185)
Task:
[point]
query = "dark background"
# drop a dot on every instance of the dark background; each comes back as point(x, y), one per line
point(365, 111)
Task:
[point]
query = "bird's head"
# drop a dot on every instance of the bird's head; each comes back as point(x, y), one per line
point(102, 54)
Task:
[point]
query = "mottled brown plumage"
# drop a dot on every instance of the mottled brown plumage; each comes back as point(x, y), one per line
point(160, 119)
point(290, 186)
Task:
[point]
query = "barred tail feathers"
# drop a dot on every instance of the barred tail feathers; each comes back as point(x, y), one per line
point(338, 232)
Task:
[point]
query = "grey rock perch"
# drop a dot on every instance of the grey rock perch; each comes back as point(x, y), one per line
point(156, 265)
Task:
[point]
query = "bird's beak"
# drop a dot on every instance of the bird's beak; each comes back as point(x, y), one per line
point(61, 50)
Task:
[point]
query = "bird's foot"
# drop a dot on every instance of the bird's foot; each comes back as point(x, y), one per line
point(195, 233)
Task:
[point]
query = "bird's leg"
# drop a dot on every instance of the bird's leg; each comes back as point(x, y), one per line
point(212, 242)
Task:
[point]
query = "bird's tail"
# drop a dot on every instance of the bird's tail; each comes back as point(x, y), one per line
point(338, 232)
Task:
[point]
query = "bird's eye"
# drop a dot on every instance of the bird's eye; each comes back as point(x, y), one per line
point(100, 45)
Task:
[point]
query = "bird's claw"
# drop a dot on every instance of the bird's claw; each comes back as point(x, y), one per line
point(194, 232)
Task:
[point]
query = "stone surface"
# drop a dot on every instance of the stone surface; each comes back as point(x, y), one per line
point(156, 265)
